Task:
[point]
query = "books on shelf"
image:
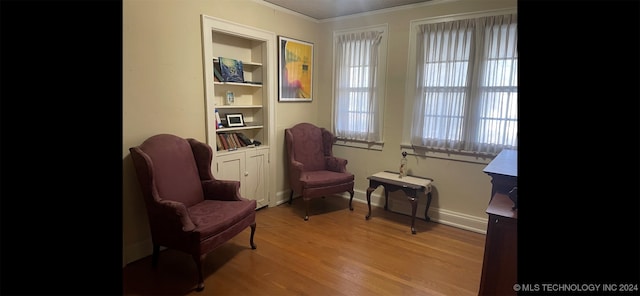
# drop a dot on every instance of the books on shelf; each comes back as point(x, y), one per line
point(219, 145)
point(232, 141)
point(244, 139)
point(222, 139)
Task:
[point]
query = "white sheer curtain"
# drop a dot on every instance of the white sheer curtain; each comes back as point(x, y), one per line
point(356, 109)
point(466, 96)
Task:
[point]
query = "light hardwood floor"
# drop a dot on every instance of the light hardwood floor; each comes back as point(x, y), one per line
point(336, 252)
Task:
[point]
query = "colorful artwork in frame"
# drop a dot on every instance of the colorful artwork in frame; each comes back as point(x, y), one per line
point(295, 70)
point(231, 70)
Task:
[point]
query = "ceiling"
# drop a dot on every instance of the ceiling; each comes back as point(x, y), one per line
point(326, 9)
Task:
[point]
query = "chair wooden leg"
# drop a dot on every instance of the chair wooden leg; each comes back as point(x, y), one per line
point(253, 231)
point(291, 197)
point(306, 210)
point(198, 259)
point(155, 255)
point(351, 200)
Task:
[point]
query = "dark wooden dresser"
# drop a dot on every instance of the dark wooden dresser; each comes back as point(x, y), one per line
point(500, 264)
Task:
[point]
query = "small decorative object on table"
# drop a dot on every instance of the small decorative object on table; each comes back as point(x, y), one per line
point(403, 165)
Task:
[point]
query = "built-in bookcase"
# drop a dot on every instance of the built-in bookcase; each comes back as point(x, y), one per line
point(253, 98)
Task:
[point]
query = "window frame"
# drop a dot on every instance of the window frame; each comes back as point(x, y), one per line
point(381, 83)
point(410, 91)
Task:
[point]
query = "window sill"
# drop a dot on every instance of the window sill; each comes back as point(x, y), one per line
point(360, 144)
point(448, 155)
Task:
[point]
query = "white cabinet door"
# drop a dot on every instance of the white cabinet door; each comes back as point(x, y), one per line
point(256, 177)
point(250, 167)
point(230, 167)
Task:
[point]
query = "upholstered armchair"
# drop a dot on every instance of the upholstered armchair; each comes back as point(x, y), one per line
point(188, 209)
point(313, 170)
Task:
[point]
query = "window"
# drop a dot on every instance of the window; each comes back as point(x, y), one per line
point(465, 90)
point(359, 71)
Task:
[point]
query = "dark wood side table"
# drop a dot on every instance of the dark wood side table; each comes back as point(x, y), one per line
point(410, 185)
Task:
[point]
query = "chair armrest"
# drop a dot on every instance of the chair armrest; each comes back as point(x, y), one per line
point(176, 213)
point(221, 189)
point(297, 166)
point(336, 164)
point(295, 169)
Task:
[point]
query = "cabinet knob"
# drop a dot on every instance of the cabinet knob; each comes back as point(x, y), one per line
point(246, 174)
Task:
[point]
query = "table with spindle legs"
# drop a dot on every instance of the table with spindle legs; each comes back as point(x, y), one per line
point(410, 185)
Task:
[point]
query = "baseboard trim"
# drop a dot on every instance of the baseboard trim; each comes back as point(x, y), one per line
point(282, 197)
point(443, 216)
point(459, 220)
point(446, 217)
point(138, 251)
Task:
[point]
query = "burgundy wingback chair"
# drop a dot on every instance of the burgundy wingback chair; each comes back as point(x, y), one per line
point(188, 209)
point(313, 170)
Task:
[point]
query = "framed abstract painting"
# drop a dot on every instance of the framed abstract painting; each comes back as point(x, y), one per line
point(295, 70)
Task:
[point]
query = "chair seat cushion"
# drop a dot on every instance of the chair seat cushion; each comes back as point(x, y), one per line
point(214, 216)
point(312, 179)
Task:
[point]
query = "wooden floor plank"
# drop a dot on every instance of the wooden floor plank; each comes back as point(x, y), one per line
point(336, 252)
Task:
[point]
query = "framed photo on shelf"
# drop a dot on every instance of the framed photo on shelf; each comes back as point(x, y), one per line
point(295, 70)
point(235, 120)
